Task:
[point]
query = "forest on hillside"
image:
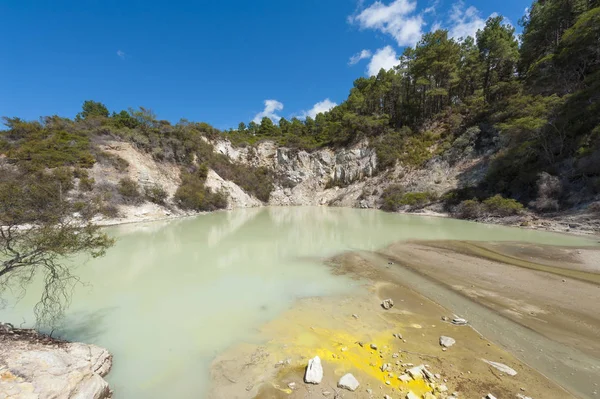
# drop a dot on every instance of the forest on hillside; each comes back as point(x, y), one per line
point(533, 101)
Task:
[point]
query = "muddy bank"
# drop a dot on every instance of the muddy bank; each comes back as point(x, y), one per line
point(340, 331)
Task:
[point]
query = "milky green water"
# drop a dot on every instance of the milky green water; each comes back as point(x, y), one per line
point(171, 295)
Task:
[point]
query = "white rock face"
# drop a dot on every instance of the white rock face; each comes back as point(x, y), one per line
point(348, 382)
point(502, 367)
point(63, 371)
point(447, 341)
point(314, 371)
point(236, 197)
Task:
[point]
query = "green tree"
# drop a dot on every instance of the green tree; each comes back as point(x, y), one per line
point(499, 52)
point(38, 235)
point(242, 127)
point(91, 109)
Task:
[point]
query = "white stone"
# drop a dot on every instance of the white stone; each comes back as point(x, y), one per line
point(490, 396)
point(404, 378)
point(387, 303)
point(502, 367)
point(348, 382)
point(447, 341)
point(416, 372)
point(314, 371)
point(459, 321)
point(411, 395)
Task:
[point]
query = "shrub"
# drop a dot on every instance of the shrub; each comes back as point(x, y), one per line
point(156, 194)
point(86, 183)
point(549, 191)
point(109, 210)
point(394, 197)
point(192, 194)
point(468, 209)
point(594, 207)
point(107, 158)
point(418, 199)
point(391, 197)
point(130, 190)
point(500, 206)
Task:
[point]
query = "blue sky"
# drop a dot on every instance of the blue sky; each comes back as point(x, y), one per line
point(220, 62)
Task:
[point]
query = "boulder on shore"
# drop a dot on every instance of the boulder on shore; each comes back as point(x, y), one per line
point(314, 371)
point(37, 366)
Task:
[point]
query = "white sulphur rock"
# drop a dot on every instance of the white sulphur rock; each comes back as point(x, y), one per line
point(314, 371)
point(502, 367)
point(447, 342)
point(349, 382)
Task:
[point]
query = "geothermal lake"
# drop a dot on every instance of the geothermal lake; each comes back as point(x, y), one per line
point(171, 295)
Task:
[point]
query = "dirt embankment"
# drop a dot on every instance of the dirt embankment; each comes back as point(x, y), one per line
point(340, 331)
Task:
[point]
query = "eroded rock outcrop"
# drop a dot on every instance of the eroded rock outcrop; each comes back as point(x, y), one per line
point(33, 366)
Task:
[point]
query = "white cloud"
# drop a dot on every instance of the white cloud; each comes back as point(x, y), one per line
point(320, 107)
point(385, 58)
point(396, 19)
point(121, 54)
point(359, 56)
point(432, 8)
point(271, 107)
point(464, 22)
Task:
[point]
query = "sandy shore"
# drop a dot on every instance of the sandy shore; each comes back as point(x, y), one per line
point(535, 318)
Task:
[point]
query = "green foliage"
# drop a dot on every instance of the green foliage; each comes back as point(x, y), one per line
point(114, 160)
point(92, 109)
point(394, 197)
point(500, 206)
point(130, 191)
point(56, 143)
point(193, 195)
point(39, 251)
point(468, 209)
point(155, 193)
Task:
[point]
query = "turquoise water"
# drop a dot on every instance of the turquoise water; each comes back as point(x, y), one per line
point(170, 295)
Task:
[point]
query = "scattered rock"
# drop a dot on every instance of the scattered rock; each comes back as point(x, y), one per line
point(459, 321)
point(411, 395)
point(427, 374)
point(385, 367)
point(348, 382)
point(326, 393)
point(314, 371)
point(355, 316)
point(404, 378)
point(387, 382)
point(373, 346)
point(387, 397)
point(369, 391)
point(502, 367)
point(292, 385)
point(416, 372)
point(522, 396)
point(444, 318)
point(429, 395)
point(387, 303)
point(490, 396)
point(447, 342)
point(398, 335)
